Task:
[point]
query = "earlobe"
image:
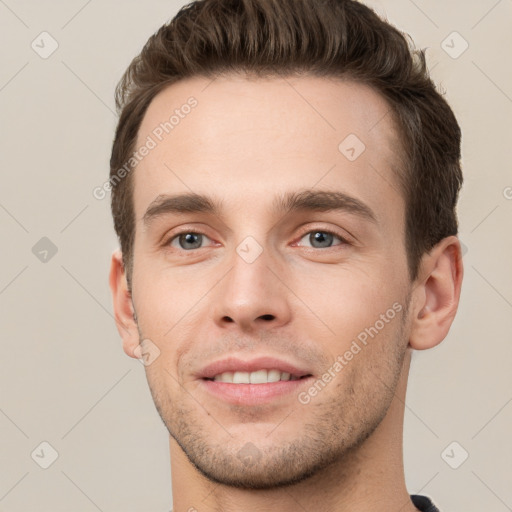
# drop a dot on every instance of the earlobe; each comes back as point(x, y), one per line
point(437, 294)
point(123, 307)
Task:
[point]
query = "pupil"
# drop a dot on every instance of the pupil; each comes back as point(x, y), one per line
point(189, 239)
point(322, 238)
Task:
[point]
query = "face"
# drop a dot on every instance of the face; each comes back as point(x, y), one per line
point(293, 263)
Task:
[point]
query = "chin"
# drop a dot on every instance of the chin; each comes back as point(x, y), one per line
point(245, 466)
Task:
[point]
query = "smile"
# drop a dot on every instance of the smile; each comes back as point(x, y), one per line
point(257, 377)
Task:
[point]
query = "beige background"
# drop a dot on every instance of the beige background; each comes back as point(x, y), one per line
point(64, 378)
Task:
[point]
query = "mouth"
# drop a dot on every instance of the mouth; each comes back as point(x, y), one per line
point(262, 376)
point(259, 381)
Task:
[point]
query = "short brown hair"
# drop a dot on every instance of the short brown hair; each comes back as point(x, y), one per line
point(322, 38)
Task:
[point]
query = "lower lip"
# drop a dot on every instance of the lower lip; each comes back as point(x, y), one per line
point(253, 394)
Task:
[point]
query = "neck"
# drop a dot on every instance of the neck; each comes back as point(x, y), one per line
point(369, 477)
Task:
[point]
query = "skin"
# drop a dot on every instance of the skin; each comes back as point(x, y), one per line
point(246, 142)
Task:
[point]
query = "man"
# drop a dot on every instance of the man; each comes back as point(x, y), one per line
point(284, 179)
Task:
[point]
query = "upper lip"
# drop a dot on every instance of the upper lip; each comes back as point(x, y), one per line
point(233, 364)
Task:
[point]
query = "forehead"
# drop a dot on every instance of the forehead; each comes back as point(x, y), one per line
point(239, 138)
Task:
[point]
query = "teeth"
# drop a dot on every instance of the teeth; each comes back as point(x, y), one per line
point(225, 377)
point(257, 377)
point(241, 378)
point(273, 375)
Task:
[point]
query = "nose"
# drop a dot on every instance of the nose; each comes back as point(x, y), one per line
point(252, 295)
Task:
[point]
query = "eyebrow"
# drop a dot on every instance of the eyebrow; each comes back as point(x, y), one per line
point(289, 202)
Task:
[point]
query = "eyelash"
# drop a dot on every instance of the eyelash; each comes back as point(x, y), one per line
point(342, 239)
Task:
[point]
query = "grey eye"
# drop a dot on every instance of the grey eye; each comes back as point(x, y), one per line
point(189, 240)
point(320, 239)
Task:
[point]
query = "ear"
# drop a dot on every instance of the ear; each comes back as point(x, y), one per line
point(436, 294)
point(123, 307)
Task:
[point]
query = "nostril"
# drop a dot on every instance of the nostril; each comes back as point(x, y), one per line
point(268, 317)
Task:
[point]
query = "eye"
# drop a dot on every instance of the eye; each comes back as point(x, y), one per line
point(187, 240)
point(322, 239)
point(318, 238)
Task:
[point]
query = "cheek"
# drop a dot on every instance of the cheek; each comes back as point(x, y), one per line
point(170, 306)
point(163, 297)
point(346, 301)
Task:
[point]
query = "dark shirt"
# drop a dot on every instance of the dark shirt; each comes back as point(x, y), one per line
point(423, 503)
